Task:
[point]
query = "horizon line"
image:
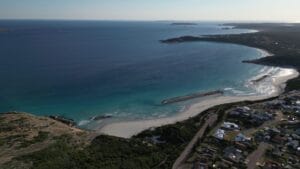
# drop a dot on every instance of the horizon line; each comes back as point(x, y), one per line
point(149, 20)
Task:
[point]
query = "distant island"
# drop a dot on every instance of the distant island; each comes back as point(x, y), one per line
point(183, 23)
point(226, 28)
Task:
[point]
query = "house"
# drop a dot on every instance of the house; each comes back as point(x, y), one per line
point(234, 114)
point(278, 139)
point(243, 112)
point(262, 116)
point(219, 134)
point(259, 136)
point(155, 140)
point(199, 165)
point(230, 126)
point(267, 138)
point(203, 166)
point(225, 164)
point(292, 118)
point(255, 122)
point(233, 154)
point(271, 165)
point(274, 130)
point(275, 104)
point(241, 145)
point(294, 144)
point(206, 156)
point(242, 138)
point(295, 136)
point(277, 152)
point(243, 109)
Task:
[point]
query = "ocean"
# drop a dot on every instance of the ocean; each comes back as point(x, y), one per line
point(82, 69)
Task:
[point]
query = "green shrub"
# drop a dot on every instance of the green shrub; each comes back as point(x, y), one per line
point(42, 136)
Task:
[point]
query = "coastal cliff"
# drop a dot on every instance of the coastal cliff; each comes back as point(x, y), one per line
point(22, 134)
point(33, 142)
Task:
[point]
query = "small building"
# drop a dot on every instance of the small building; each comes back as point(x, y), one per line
point(274, 130)
point(230, 126)
point(242, 112)
point(219, 134)
point(294, 144)
point(295, 136)
point(243, 109)
point(242, 138)
point(233, 154)
point(271, 165)
point(278, 139)
point(241, 145)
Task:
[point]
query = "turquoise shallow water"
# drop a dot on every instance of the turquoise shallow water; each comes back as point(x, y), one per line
point(80, 69)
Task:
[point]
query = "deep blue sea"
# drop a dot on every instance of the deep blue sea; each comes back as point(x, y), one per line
point(80, 69)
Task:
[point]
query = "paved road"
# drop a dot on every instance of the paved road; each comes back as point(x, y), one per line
point(212, 118)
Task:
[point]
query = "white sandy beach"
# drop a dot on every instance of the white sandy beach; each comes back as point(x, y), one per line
point(127, 129)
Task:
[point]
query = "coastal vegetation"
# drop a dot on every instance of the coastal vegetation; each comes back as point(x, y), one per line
point(154, 148)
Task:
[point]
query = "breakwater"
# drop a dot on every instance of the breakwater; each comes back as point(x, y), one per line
point(190, 96)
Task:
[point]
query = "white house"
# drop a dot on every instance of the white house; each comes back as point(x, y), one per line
point(220, 134)
point(231, 126)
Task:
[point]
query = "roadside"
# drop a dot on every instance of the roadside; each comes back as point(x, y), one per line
point(210, 120)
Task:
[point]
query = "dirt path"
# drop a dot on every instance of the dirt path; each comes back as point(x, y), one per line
point(183, 156)
point(256, 156)
point(6, 156)
point(25, 127)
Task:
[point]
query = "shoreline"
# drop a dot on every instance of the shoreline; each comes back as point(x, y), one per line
point(264, 52)
point(269, 87)
point(127, 129)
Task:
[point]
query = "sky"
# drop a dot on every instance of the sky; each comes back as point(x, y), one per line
point(213, 10)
